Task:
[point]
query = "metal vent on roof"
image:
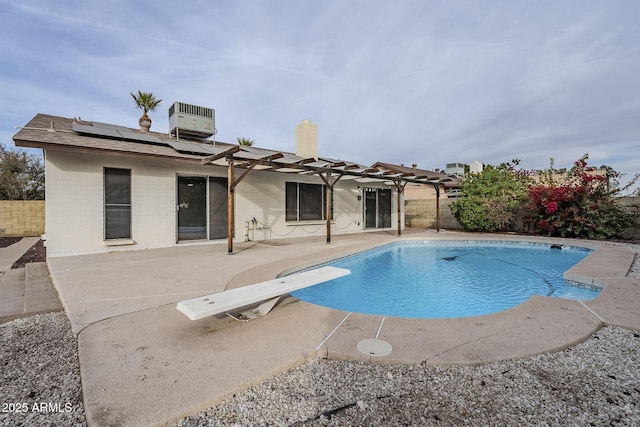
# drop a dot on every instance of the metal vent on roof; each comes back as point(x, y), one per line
point(191, 121)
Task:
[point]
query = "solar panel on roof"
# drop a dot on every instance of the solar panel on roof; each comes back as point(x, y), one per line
point(140, 137)
point(108, 126)
point(195, 148)
point(250, 156)
point(106, 130)
point(288, 160)
point(95, 130)
point(258, 151)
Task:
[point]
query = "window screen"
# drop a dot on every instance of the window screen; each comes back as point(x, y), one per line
point(305, 202)
point(291, 202)
point(117, 203)
point(310, 202)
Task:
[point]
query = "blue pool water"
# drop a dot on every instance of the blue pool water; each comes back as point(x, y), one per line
point(448, 279)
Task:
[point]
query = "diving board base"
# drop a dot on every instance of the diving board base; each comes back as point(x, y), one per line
point(222, 302)
point(254, 313)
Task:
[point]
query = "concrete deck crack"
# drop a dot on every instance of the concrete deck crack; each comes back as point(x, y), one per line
point(464, 343)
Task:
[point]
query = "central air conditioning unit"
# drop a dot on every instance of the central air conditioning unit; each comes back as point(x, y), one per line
point(191, 121)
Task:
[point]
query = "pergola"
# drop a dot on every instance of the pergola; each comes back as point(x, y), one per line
point(330, 171)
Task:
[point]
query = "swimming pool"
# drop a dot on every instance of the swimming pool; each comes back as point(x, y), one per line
point(427, 279)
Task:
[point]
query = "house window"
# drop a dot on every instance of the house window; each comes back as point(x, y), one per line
point(117, 203)
point(306, 202)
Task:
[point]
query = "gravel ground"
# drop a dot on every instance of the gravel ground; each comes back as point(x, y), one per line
point(8, 241)
point(39, 373)
point(594, 383)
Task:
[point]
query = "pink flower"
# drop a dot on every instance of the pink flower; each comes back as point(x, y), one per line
point(551, 207)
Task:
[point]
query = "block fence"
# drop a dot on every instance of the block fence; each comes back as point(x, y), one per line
point(632, 203)
point(421, 213)
point(21, 218)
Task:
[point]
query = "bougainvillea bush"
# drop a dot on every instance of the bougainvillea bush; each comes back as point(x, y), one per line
point(579, 206)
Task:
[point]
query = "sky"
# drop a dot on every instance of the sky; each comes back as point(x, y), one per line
point(406, 81)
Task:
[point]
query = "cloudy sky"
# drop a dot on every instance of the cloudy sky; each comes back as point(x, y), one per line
point(403, 81)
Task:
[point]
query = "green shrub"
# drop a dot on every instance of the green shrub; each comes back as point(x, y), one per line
point(489, 200)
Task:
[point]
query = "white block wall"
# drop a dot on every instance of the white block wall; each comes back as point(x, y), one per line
point(75, 203)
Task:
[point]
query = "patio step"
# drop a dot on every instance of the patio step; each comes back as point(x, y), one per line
point(27, 291)
point(39, 294)
point(12, 284)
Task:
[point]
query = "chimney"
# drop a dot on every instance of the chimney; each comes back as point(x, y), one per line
point(307, 139)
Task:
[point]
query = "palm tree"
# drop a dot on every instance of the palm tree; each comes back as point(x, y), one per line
point(146, 101)
point(245, 141)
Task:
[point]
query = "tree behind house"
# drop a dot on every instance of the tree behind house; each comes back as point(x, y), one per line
point(21, 175)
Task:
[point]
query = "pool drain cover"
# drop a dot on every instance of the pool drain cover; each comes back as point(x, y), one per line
point(374, 347)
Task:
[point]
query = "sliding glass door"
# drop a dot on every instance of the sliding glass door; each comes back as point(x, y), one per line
point(202, 208)
point(192, 208)
point(377, 208)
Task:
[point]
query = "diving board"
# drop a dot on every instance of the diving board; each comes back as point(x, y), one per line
point(221, 302)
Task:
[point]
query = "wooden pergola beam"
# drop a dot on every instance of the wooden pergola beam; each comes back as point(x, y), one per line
point(210, 159)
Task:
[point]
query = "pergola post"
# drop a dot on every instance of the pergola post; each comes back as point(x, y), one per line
point(436, 186)
point(400, 190)
point(328, 203)
point(230, 193)
point(328, 211)
point(399, 213)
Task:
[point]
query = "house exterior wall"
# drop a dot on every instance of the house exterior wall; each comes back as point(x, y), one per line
point(75, 203)
point(261, 195)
